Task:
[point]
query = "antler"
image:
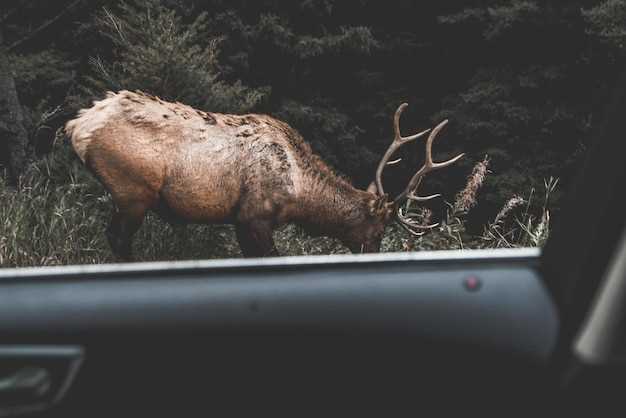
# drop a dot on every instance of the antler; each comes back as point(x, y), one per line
point(398, 141)
point(409, 192)
point(429, 165)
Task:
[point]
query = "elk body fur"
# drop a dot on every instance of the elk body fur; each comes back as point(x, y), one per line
point(187, 165)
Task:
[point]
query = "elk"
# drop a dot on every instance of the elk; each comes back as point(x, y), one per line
point(252, 171)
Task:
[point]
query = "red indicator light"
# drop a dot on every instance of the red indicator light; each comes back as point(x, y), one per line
point(472, 283)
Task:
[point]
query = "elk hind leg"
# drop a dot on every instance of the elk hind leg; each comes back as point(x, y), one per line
point(124, 223)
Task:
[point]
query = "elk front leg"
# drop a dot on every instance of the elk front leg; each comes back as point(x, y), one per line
point(255, 239)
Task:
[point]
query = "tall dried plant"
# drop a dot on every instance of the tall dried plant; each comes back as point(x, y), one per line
point(467, 198)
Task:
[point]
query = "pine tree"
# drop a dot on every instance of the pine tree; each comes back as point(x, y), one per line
point(152, 49)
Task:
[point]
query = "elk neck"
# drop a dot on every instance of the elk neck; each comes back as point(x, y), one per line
point(330, 205)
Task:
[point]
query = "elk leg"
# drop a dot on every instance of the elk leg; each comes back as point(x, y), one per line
point(255, 239)
point(124, 224)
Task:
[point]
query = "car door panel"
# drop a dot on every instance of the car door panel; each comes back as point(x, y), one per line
point(254, 329)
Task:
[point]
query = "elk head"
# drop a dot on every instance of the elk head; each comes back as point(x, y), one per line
point(381, 208)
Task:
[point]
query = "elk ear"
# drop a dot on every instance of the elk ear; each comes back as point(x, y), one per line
point(378, 205)
point(373, 206)
point(390, 208)
point(372, 188)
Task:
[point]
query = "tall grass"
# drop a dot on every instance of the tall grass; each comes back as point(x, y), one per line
point(525, 230)
point(59, 214)
point(52, 218)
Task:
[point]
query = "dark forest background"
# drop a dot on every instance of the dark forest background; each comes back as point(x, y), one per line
point(523, 82)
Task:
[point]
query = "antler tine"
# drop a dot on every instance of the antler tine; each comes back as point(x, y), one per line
point(415, 198)
point(411, 226)
point(398, 141)
point(409, 230)
point(428, 166)
point(429, 149)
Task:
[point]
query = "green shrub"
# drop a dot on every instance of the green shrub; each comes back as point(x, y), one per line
point(607, 22)
point(153, 50)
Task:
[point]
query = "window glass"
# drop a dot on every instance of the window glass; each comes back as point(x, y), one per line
point(174, 129)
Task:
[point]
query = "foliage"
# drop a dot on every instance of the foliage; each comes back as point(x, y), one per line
point(523, 81)
point(43, 76)
point(52, 218)
point(154, 51)
point(528, 230)
point(528, 107)
point(607, 21)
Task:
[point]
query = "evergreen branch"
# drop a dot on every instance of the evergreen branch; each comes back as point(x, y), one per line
point(19, 43)
point(8, 15)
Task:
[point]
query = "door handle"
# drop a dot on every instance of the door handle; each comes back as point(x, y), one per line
point(35, 377)
point(33, 381)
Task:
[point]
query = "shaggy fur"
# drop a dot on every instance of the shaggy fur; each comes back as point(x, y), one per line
point(192, 166)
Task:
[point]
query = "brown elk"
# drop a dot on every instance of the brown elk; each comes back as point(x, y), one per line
point(253, 171)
